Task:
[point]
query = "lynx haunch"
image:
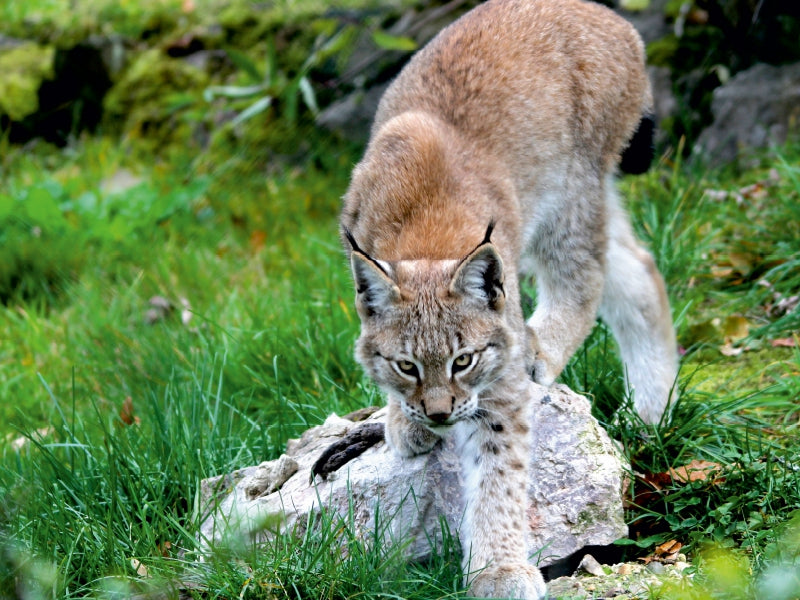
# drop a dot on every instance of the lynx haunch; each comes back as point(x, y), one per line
point(492, 158)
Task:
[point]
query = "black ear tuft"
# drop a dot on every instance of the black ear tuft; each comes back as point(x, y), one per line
point(351, 240)
point(636, 158)
point(488, 237)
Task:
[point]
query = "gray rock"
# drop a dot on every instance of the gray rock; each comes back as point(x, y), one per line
point(755, 109)
point(590, 565)
point(575, 486)
point(650, 22)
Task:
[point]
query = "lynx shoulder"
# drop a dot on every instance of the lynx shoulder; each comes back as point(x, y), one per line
point(492, 158)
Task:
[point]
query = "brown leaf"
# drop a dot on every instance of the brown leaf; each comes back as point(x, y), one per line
point(665, 553)
point(783, 305)
point(652, 487)
point(735, 327)
point(667, 548)
point(755, 191)
point(783, 342)
point(697, 470)
point(257, 240)
point(126, 414)
point(742, 262)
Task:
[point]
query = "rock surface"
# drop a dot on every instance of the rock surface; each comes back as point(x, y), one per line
point(625, 580)
point(755, 109)
point(575, 486)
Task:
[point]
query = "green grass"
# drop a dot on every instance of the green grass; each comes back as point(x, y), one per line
point(267, 351)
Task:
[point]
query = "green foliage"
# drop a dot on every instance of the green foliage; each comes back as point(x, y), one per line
point(48, 229)
point(271, 85)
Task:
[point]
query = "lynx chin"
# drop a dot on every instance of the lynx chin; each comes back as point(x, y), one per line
point(492, 158)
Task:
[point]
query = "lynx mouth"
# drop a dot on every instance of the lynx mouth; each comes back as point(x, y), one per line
point(442, 429)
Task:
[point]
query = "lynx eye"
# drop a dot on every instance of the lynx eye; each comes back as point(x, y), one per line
point(462, 361)
point(406, 367)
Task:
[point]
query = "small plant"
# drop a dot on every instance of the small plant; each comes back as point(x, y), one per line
point(273, 86)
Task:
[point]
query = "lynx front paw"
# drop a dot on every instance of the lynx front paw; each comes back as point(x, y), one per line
point(541, 373)
point(520, 582)
point(539, 363)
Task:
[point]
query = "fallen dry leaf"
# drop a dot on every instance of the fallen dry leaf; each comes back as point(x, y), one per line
point(652, 487)
point(257, 240)
point(669, 549)
point(754, 191)
point(783, 305)
point(668, 553)
point(728, 350)
point(735, 327)
point(783, 342)
point(18, 443)
point(698, 470)
point(160, 307)
point(126, 413)
point(141, 570)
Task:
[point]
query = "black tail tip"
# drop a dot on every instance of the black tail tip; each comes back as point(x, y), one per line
point(638, 156)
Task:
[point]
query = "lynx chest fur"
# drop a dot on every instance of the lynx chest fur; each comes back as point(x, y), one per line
point(491, 158)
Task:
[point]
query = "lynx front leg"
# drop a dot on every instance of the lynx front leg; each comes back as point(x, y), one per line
point(495, 456)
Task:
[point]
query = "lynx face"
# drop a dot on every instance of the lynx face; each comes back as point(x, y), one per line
point(433, 333)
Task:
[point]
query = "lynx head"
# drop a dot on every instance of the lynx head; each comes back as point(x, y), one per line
point(433, 332)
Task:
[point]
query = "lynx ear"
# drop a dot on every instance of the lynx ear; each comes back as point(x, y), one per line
point(480, 277)
point(375, 290)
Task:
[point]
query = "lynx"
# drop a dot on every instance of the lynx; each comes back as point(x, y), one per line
point(492, 158)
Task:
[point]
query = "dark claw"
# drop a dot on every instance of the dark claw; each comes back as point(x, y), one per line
point(355, 443)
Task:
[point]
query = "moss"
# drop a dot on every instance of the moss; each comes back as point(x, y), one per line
point(152, 98)
point(22, 70)
point(750, 371)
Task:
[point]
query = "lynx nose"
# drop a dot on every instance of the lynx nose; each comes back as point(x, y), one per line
point(439, 412)
point(439, 417)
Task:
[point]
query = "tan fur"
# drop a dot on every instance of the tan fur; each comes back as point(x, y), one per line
point(515, 114)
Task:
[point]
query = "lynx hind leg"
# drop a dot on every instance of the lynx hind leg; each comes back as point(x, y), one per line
point(636, 308)
point(567, 259)
point(406, 437)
